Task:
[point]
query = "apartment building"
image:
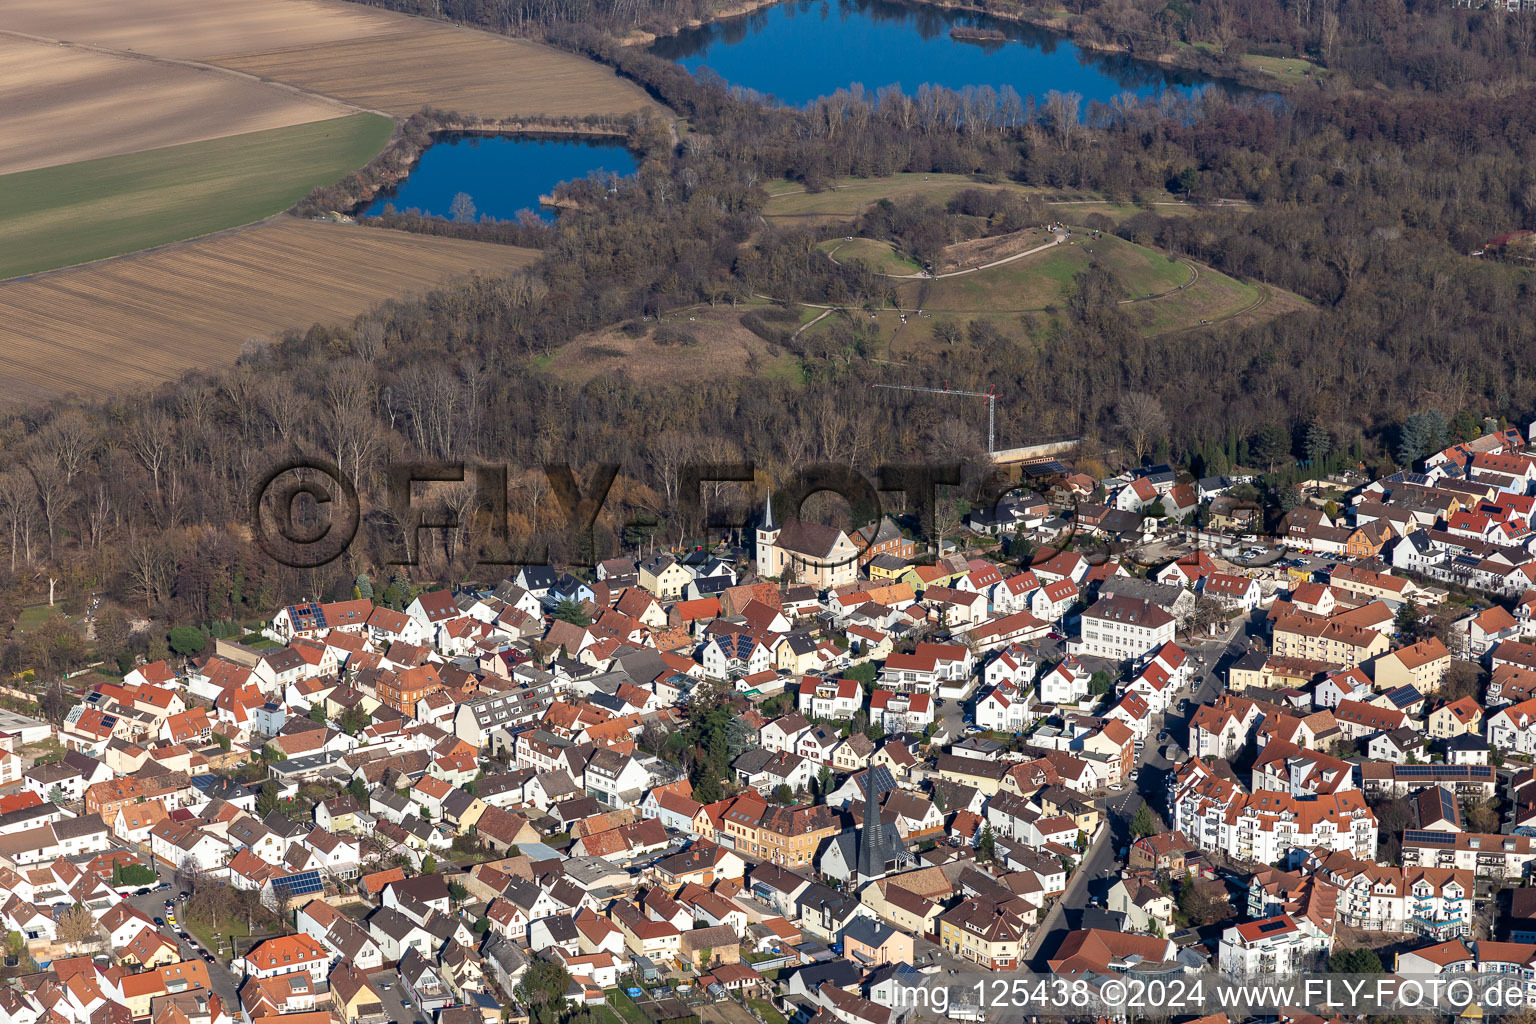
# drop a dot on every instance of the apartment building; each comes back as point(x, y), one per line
point(1125, 628)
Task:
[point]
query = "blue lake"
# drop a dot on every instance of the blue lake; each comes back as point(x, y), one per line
point(803, 49)
point(501, 175)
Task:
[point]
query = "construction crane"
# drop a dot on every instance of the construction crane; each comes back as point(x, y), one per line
point(990, 396)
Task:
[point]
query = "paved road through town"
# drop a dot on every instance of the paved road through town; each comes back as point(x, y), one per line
point(1093, 878)
point(152, 904)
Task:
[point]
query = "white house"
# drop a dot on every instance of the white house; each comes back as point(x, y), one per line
point(1233, 593)
point(617, 780)
point(835, 699)
point(1513, 727)
point(287, 954)
point(727, 655)
point(1067, 683)
point(783, 733)
point(1003, 709)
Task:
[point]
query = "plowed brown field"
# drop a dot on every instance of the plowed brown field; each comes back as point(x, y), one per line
point(67, 103)
point(450, 68)
point(133, 322)
point(375, 58)
point(195, 28)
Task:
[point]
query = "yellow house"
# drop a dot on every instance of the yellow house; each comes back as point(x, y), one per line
point(352, 997)
point(466, 816)
point(1422, 666)
point(368, 705)
point(1248, 672)
point(664, 576)
point(921, 577)
point(703, 825)
point(1338, 644)
point(792, 835)
point(1458, 718)
point(986, 776)
point(1056, 801)
point(798, 655)
point(657, 940)
point(150, 949)
point(912, 913)
point(984, 932)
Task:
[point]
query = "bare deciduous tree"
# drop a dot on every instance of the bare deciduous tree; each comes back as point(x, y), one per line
point(18, 508)
point(54, 496)
point(151, 568)
point(1141, 420)
point(77, 927)
point(69, 440)
point(150, 437)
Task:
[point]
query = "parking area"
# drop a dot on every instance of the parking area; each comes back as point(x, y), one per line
point(152, 902)
point(392, 995)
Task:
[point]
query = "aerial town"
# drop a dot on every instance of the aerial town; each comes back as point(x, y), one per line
point(786, 780)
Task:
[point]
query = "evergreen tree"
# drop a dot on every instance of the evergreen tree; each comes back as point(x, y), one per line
point(188, 640)
point(570, 611)
point(1269, 444)
point(706, 784)
point(1423, 433)
point(1316, 443)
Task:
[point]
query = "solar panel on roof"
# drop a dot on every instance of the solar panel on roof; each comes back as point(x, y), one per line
point(1447, 805)
point(301, 884)
point(1414, 835)
point(1271, 926)
point(1436, 771)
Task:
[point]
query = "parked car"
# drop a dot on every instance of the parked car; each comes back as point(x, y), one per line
point(159, 922)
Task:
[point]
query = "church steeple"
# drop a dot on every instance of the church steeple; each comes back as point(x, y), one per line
point(767, 538)
point(873, 854)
